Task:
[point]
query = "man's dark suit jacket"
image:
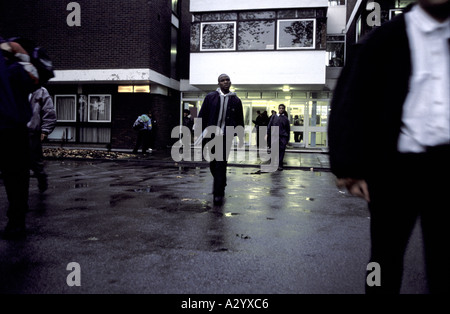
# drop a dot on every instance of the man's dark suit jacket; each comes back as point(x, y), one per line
point(366, 108)
point(283, 123)
point(209, 112)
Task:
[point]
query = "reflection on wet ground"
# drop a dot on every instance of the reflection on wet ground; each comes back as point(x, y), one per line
point(141, 229)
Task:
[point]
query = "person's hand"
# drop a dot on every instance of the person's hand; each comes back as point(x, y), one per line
point(356, 187)
point(43, 137)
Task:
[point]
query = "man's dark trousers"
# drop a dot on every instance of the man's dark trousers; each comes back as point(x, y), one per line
point(414, 188)
point(218, 165)
point(14, 166)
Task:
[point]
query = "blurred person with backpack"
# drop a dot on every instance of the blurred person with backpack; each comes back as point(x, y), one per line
point(143, 126)
point(18, 78)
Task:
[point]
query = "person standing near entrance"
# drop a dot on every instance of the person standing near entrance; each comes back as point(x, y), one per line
point(221, 108)
point(395, 87)
point(298, 135)
point(143, 125)
point(281, 121)
point(258, 123)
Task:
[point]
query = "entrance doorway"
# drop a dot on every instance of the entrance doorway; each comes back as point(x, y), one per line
point(312, 109)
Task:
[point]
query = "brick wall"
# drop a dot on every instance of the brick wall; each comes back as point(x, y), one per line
point(113, 34)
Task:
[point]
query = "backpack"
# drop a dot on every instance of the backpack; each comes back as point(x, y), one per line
point(38, 57)
point(138, 125)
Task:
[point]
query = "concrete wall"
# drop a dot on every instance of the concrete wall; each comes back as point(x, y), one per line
point(293, 67)
point(337, 19)
point(225, 5)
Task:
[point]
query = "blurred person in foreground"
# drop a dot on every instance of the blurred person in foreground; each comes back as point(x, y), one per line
point(394, 90)
point(18, 78)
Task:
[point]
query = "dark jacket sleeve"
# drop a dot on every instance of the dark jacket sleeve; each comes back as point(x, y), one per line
point(239, 113)
point(48, 113)
point(204, 115)
point(367, 104)
point(346, 125)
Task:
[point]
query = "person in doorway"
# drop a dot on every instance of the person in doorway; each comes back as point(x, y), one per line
point(143, 125)
point(18, 78)
point(298, 135)
point(398, 179)
point(281, 121)
point(187, 119)
point(264, 123)
point(257, 123)
point(42, 123)
point(221, 108)
point(268, 139)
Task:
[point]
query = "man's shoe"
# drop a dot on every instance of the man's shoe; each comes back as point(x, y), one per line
point(218, 200)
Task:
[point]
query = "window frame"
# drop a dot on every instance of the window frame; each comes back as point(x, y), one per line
point(234, 23)
point(89, 108)
point(279, 29)
point(74, 109)
point(274, 35)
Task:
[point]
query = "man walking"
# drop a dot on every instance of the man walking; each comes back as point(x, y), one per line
point(399, 179)
point(221, 108)
point(281, 121)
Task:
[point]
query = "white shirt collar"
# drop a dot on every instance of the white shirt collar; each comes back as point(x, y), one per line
point(425, 23)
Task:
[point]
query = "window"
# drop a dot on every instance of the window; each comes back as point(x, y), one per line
point(175, 6)
point(394, 12)
point(217, 36)
point(173, 53)
point(256, 35)
point(335, 50)
point(259, 30)
point(99, 108)
point(95, 135)
point(358, 32)
point(65, 107)
point(403, 3)
point(336, 2)
point(296, 34)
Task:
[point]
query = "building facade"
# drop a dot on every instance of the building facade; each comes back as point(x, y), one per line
point(276, 52)
point(365, 15)
point(114, 60)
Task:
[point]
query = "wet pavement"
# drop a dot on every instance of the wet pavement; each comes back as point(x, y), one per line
point(149, 226)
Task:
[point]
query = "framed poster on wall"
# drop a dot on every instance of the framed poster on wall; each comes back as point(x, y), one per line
point(99, 108)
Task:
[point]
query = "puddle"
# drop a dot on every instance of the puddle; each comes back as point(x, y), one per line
point(148, 189)
point(231, 214)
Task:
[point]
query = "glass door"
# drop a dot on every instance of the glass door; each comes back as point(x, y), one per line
point(317, 122)
point(296, 111)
